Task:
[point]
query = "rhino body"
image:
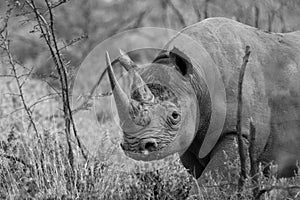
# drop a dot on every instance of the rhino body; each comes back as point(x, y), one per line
point(271, 97)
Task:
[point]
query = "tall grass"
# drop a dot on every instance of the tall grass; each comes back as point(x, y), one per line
point(32, 169)
point(107, 174)
point(103, 176)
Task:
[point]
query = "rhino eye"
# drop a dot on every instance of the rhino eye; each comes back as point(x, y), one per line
point(175, 115)
point(174, 118)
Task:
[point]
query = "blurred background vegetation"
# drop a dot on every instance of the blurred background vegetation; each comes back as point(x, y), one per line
point(80, 25)
point(93, 21)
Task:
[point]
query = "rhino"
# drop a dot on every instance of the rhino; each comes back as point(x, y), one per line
point(185, 101)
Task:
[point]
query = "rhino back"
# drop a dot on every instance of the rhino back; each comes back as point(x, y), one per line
point(271, 88)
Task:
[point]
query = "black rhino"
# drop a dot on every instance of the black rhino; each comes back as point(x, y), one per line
point(186, 100)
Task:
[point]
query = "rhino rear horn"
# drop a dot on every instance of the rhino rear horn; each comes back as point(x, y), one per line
point(140, 88)
point(137, 83)
point(126, 62)
point(122, 101)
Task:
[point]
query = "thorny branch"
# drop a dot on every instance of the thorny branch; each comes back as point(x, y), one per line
point(65, 87)
point(44, 28)
point(12, 63)
point(19, 84)
point(47, 30)
point(72, 42)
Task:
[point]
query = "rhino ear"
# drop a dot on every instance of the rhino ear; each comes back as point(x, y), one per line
point(181, 62)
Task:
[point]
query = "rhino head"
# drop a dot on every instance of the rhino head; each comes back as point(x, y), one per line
point(158, 115)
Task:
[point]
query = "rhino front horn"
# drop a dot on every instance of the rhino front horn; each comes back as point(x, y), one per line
point(122, 101)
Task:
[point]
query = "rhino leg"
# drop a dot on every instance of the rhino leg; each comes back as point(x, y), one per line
point(285, 160)
point(224, 151)
point(192, 163)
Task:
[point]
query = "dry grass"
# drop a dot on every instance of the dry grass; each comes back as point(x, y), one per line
point(108, 174)
point(33, 170)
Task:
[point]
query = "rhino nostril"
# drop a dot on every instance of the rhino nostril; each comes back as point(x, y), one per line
point(149, 145)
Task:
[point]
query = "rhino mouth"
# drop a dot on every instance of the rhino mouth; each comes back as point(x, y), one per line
point(144, 155)
point(147, 149)
point(142, 147)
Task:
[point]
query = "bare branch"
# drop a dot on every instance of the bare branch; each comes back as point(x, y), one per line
point(12, 63)
point(4, 21)
point(47, 30)
point(239, 120)
point(206, 15)
point(196, 10)
point(60, 2)
point(257, 14)
point(72, 42)
point(65, 88)
point(253, 159)
point(19, 85)
point(276, 187)
point(177, 12)
point(85, 105)
point(139, 19)
point(26, 77)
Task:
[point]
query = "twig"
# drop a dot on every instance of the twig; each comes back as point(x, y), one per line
point(65, 88)
point(64, 84)
point(19, 85)
point(196, 10)
point(271, 16)
point(135, 21)
point(280, 14)
point(239, 120)
point(85, 105)
point(44, 28)
point(164, 16)
point(4, 21)
point(139, 19)
point(206, 15)
point(276, 187)
point(51, 86)
point(42, 23)
point(58, 3)
point(256, 15)
point(253, 159)
point(26, 77)
point(92, 91)
point(19, 160)
point(73, 41)
point(40, 100)
point(12, 63)
point(47, 30)
point(177, 12)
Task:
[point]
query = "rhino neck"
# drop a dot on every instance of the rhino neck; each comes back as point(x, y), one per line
point(203, 112)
